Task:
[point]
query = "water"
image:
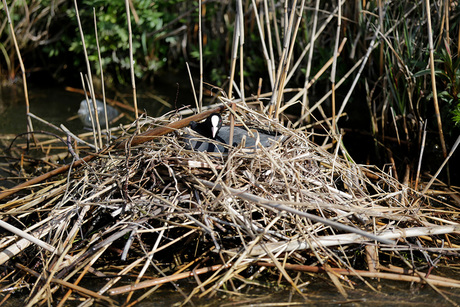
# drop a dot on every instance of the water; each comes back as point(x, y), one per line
point(318, 292)
point(55, 105)
point(59, 106)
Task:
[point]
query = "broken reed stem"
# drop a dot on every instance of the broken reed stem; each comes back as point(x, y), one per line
point(162, 280)
point(268, 58)
point(107, 127)
point(89, 75)
point(433, 79)
point(390, 276)
point(96, 147)
point(131, 61)
point(278, 206)
point(23, 70)
point(236, 39)
point(289, 56)
point(307, 48)
point(241, 41)
point(27, 236)
point(271, 67)
point(422, 150)
point(312, 81)
point(200, 46)
point(193, 87)
point(309, 61)
point(284, 63)
point(276, 87)
point(371, 47)
point(334, 69)
point(442, 165)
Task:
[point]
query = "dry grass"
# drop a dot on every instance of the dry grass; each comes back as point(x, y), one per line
point(160, 212)
point(146, 210)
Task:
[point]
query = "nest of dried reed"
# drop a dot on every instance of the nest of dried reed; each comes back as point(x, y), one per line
point(140, 216)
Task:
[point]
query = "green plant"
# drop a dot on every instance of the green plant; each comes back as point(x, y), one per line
point(450, 80)
point(149, 53)
point(32, 21)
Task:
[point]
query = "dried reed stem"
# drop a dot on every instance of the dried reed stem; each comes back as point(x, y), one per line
point(433, 80)
point(107, 127)
point(200, 46)
point(310, 57)
point(89, 76)
point(23, 69)
point(131, 60)
point(334, 68)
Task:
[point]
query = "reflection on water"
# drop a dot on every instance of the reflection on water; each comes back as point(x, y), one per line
point(318, 292)
point(55, 105)
point(58, 106)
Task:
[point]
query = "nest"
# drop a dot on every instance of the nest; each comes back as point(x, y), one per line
point(140, 216)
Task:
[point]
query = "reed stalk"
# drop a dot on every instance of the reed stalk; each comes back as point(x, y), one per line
point(269, 59)
point(433, 80)
point(142, 214)
point(90, 78)
point(200, 46)
point(107, 127)
point(23, 69)
point(91, 115)
point(131, 60)
point(310, 57)
point(197, 105)
point(334, 68)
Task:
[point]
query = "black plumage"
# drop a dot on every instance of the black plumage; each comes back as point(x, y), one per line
point(210, 127)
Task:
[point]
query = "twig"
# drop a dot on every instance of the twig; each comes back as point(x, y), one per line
point(278, 206)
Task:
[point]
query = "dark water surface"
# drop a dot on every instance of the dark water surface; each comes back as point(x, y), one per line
point(58, 106)
point(319, 292)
